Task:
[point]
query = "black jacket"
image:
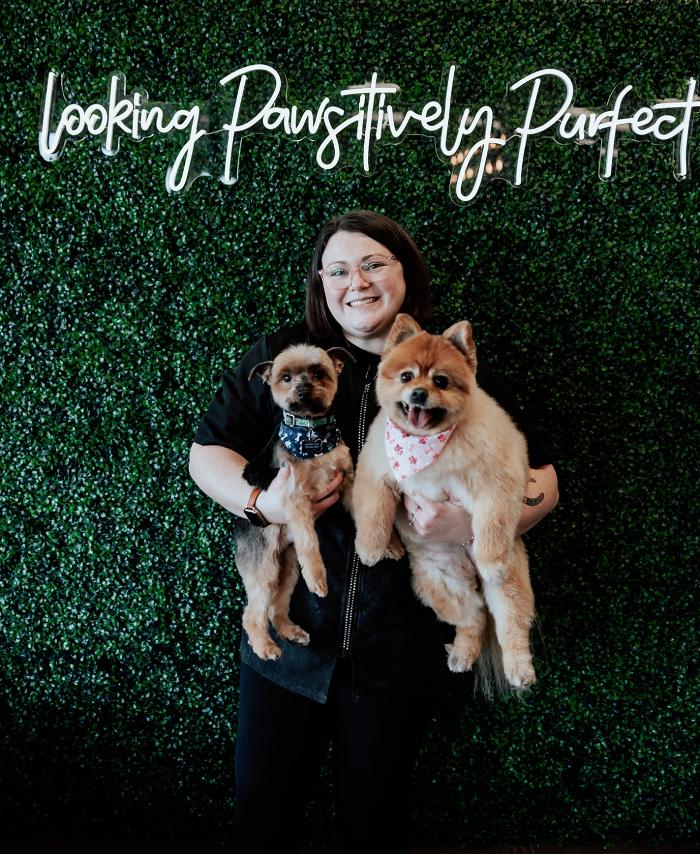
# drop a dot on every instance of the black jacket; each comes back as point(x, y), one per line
point(371, 615)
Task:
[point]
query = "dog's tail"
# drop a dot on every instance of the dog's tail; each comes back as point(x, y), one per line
point(489, 676)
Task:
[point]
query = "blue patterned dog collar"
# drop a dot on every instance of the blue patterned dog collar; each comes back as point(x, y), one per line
point(306, 438)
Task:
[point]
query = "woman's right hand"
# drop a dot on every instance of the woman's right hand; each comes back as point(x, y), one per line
point(271, 500)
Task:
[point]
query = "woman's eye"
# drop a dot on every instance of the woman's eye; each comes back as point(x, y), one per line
point(440, 382)
point(337, 272)
point(406, 377)
point(371, 265)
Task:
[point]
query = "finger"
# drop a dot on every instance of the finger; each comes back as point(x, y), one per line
point(419, 527)
point(428, 518)
point(331, 488)
point(412, 504)
point(336, 482)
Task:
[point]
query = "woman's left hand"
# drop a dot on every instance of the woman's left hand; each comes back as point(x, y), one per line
point(438, 521)
point(448, 522)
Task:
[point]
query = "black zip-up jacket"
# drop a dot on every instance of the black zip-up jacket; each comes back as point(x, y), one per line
point(371, 615)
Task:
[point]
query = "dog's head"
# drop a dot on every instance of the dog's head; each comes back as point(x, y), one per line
point(303, 379)
point(425, 381)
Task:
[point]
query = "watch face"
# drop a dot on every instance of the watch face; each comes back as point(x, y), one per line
point(255, 517)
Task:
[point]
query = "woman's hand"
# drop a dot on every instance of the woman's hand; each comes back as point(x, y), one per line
point(448, 522)
point(271, 501)
point(438, 521)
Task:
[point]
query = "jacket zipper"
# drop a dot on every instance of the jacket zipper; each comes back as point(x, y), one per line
point(355, 566)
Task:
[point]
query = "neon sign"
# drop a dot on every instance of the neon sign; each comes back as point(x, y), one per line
point(480, 145)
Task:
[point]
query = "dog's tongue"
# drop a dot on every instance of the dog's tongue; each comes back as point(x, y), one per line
point(418, 417)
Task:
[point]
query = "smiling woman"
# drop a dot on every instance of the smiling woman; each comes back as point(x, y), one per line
point(374, 669)
point(364, 302)
point(345, 243)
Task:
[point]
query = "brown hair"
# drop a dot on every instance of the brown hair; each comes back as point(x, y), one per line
point(390, 234)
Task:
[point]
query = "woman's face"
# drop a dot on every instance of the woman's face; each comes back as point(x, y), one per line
point(365, 310)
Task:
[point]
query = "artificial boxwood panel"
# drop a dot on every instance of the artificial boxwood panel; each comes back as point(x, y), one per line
point(119, 600)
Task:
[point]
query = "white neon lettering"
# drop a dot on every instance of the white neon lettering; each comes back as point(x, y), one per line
point(482, 149)
point(446, 116)
point(364, 125)
point(475, 149)
point(178, 176)
point(233, 126)
point(73, 120)
point(332, 137)
point(525, 131)
point(48, 142)
point(641, 118)
point(690, 103)
point(578, 129)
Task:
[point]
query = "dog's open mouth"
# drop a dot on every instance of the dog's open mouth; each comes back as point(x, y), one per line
point(420, 418)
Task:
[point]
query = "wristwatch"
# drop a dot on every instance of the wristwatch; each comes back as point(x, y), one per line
point(253, 515)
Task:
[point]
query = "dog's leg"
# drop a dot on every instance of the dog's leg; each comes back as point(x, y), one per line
point(445, 580)
point(279, 610)
point(300, 521)
point(394, 549)
point(493, 527)
point(261, 578)
point(374, 503)
point(512, 605)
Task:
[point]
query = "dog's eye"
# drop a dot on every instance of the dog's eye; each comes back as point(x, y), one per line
point(319, 375)
point(286, 378)
point(406, 377)
point(440, 381)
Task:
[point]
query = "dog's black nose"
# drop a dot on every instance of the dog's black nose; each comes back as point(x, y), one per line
point(303, 392)
point(419, 396)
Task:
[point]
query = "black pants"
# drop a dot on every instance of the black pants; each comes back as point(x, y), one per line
point(281, 742)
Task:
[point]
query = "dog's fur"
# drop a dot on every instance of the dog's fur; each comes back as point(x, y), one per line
point(303, 380)
point(483, 465)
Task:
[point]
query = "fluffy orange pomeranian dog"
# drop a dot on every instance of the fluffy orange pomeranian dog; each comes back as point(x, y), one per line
point(441, 435)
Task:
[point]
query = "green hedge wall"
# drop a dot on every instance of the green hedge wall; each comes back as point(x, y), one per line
point(119, 600)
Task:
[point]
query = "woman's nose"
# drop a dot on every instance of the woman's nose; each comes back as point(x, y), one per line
point(357, 280)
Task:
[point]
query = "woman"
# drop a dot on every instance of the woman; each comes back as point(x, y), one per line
point(375, 669)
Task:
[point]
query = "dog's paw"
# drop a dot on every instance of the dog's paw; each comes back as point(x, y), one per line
point(294, 633)
point(268, 651)
point(369, 554)
point(458, 660)
point(316, 582)
point(519, 671)
point(395, 549)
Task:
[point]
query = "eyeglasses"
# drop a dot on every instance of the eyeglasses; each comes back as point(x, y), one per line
point(377, 268)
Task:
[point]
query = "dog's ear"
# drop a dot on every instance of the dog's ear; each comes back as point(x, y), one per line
point(339, 355)
point(460, 334)
point(263, 370)
point(404, 327)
